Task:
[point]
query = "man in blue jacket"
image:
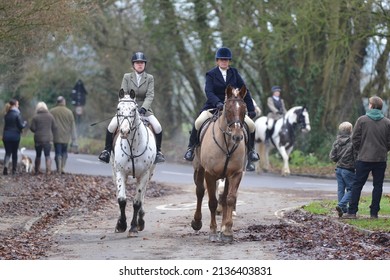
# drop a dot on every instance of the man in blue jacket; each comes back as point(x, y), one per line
point(217, 79)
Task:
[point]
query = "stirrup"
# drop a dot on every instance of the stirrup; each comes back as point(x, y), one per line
point(253, 156)
point(250, 166)
point(159, 157)
point(105, 156)
point(189, 155)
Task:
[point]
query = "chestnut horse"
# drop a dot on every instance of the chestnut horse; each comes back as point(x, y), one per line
point(221, 155)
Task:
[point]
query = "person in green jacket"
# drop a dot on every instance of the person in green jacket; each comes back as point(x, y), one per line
point(65, 132)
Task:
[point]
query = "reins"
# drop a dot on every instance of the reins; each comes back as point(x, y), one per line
point(228, 152)
point(134, 130)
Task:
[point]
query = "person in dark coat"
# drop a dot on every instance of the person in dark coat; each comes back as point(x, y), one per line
point(13, 126)
point(43, 126)
point(371, 142)
point(217, 79)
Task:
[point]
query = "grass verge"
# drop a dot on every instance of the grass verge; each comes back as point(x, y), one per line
point(327, 207)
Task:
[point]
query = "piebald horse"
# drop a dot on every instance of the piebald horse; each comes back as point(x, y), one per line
point(221, 154)
point(134, 153)
point(283, 136)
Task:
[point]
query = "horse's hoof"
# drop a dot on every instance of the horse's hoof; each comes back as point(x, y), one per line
point(141, 221)
point(196, 225)
point(226, 238)
point(141, 225)
point(132, 234)
point(213, 237)
point(121, 226)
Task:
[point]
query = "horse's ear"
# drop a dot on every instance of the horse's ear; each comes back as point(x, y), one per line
point(132, 94)
point(243, 91)
point(121, 93)
point(228, 91)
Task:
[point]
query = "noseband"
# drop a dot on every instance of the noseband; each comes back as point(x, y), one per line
point(129, 117)
point(236, 123)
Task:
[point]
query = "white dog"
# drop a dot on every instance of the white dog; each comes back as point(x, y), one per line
point(26, 161)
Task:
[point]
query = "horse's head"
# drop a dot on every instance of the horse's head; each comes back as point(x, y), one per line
point(303, 119)
point(234, 112)
point(127, 114)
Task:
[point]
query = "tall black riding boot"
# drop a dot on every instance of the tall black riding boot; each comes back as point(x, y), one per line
point(189, 155)
point(105, 154)
point(159, 156)
point(268, 135)
point(252, 155)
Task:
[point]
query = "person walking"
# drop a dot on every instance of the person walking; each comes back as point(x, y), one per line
point(143, 85)
point(65, 132)
point(217, 79)
point(13, 127)
point(342, 153)
point(371, 142)
point(43, 126)
point(276, 110)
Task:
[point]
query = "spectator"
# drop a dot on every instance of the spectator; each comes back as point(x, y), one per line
point(43, 126)
point(371, 142)
point(65, 132)
point(13, 126)
point(342, 154)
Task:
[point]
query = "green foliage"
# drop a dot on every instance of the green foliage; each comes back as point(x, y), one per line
point(298, 158)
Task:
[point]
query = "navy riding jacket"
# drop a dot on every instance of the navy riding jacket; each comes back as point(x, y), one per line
point(215, 88)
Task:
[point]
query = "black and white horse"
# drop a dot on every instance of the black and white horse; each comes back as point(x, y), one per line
point(283, 136)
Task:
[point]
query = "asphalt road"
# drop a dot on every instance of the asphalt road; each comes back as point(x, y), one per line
point(181, 173)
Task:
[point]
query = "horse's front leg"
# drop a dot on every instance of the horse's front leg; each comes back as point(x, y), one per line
point(285, 157)
point(213, 204)
point(232, 184)
point(196, 223)
point(120, 181)
point(138, 222)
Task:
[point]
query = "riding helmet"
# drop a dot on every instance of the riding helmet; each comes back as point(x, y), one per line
point(138, 56)
point(276, 88)
point(223, 53)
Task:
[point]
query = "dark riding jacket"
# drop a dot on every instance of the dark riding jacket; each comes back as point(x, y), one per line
point(215, 88)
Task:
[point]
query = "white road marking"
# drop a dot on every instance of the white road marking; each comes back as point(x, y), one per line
point(88, 161)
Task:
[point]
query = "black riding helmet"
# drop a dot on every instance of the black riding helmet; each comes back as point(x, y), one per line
point(223, 53)
point(138, 56)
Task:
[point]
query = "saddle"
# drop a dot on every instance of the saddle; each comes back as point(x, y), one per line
point(213, 119)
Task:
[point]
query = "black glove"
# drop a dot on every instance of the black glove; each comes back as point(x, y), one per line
point(142, 111)
point(252, 114)
point(219, 106)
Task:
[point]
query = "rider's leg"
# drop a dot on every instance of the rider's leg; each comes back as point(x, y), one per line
point(193, 142)
point(268, 131)
point(158, 133)
point(252, 155)
point(105, 154)
point(189, 155)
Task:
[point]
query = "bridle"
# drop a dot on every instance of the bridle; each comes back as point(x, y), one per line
point(134, 125)
point(227, 132)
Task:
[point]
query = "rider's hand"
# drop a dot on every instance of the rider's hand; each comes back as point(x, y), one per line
point(252, 114)
point(142, 111)
point(219, 106)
